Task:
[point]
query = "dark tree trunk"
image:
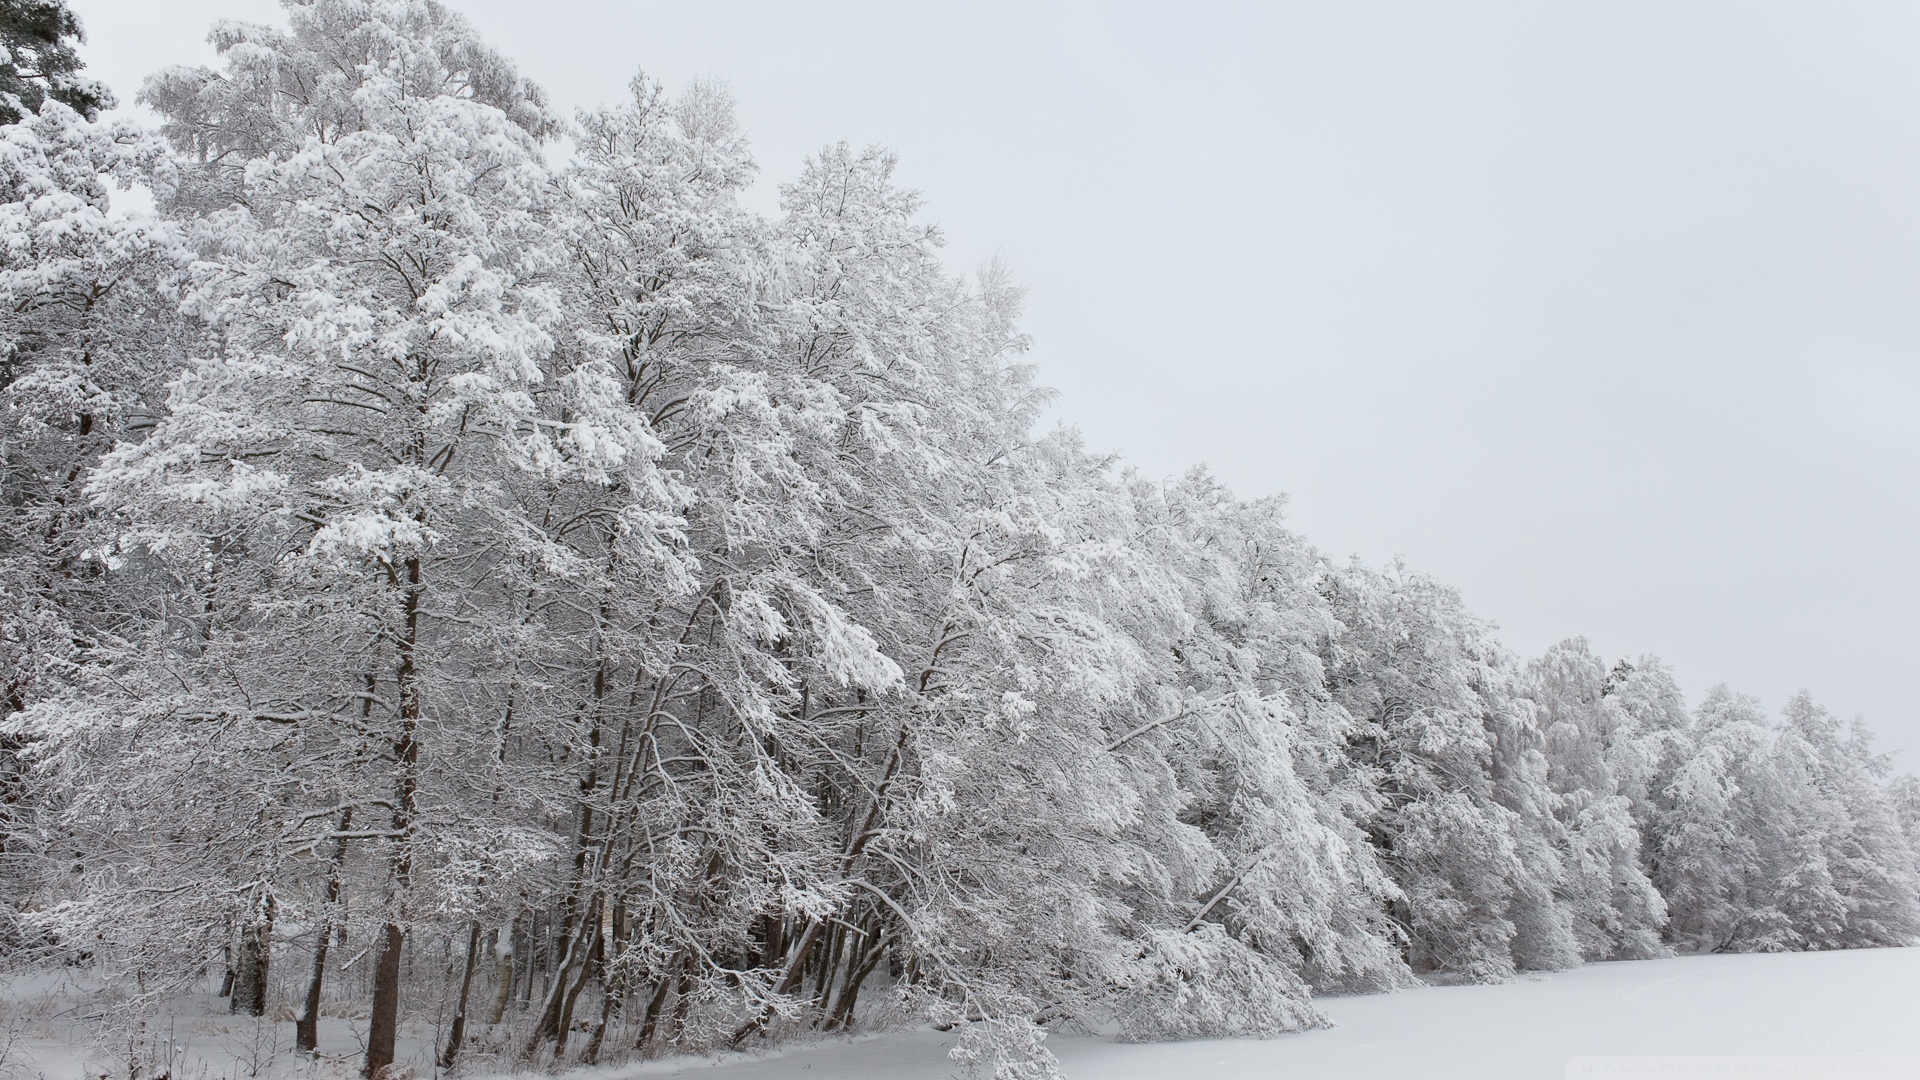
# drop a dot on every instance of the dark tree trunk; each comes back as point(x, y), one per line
point(458, 1031)
point(250, 963)
point(651, 1023)
point(840, 1016)
point(560, 991)
point(306, 1032)
point(566, 1009)
point(607, 996)
point(682, 1003)
point(384, 1025)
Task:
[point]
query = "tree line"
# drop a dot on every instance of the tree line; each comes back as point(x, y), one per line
point(441, 577)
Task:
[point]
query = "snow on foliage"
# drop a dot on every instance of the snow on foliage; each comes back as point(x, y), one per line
point(642, 626)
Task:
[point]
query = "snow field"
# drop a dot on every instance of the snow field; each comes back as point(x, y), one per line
point(1852, 1004)
point(1777, 1012)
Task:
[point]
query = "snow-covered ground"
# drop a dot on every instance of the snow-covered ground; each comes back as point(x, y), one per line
point(1863, 1003)
point(1822, 1005)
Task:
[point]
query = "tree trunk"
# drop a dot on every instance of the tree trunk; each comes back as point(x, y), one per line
point(383, 1027)
point(795, 973)
point(840, 1016)
point(565, 1023)
point(651, 1022)
point(592, 1056)
point(559, 1000)
point(503, 972)
point(306, 1032)
point(682, 1002)
point(250, 963)
point(458, 1031)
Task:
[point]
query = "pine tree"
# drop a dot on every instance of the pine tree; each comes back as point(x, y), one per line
point(38, 62)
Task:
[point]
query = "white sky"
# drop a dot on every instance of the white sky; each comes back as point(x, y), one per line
point(1605, 313)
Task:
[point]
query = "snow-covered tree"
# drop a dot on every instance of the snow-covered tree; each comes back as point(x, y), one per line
point(1617, 912)
point(1864, 849)
point(1782, 838)
point(1465, 819)
point(38, 62)
point(385, 434)
point(85, 336)
point(649, 626)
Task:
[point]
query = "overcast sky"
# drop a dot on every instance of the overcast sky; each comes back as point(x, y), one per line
point(1604, 313)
